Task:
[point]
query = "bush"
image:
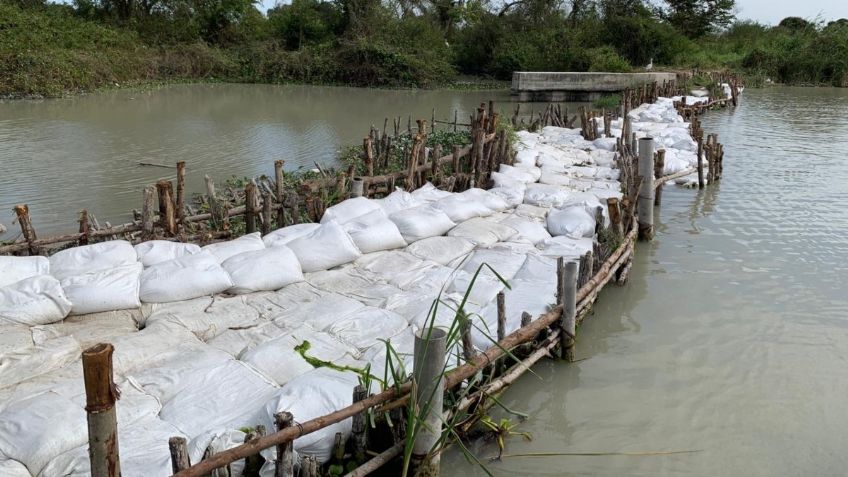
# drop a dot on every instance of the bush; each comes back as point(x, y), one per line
point(606, 59)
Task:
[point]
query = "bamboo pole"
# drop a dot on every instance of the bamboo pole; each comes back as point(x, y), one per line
point(700, 164)
point(100, 397)
point(659, 167)
point(428, 363)
point(266, 213)
point(645, 204)
point(568, 324)
point(378, 461)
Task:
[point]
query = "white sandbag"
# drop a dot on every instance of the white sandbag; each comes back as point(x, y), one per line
point(565, 246)
point(105, 290)
point(89, 329)
point(561, 179)
point(157, 251)
point(318, 314)
point(483, 232)
point(91, 258)
point(38, 428)
point(504, 262)
point(590, 202)
point(354, 283)
point(143, 450)
point(327, 247)
point(527, 229)
point(208, 316)
point(278, 360)
point(314, 394)
point(363, 328)
point(421, 222)
point(374, 232)
point(28, 362)
point(349, 209)
point(400, 269)
point(184, 278)
point(537, 267)
point(287, 234)
point(545, 195)
point(535, 297)
point(429, 193)
point(14, 337)
point(572, 221)
point(484, 289)
point(506, 181)
point(491, 201)
point(15, 269)
point(245, 243)
point(512, 196)
point(461, 208)
point(200, 404)
point(13, 468)
point(262, 270)
point(524, 174)
point(442, 250)
point(219, 440)
point(397, 201)
point(38, 300)
point(532, 212)
point(526, 158)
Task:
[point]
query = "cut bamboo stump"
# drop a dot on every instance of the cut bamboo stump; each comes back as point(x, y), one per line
point(100, 397)
point(359, 426)
point(250, 207)
point(645, 204)
point(284, 465)
point(428, 368)
point(179, 454)
point(659, 167)
point(279, 190)
point(167, 219)
point(180, 199)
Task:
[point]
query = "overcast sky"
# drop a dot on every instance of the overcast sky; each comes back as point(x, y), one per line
point(763, 11)
point(772, 11)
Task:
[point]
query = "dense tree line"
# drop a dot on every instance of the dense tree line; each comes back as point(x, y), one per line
point(430, 42)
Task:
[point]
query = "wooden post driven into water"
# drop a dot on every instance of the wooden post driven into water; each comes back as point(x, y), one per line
point(22, 212)
point(100, 397)
point(428, 368)
point(567, 297)
point(645, 204)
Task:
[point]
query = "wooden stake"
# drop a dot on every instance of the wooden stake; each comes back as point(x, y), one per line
point(250, 207)
point(100, 397)
point(310, 467)
point(659, 167)
point(22, 212)
point(147, 212)
point(368, 148)
point(280, 192)
point(614, 209)
point(700, 163)
point(359, 426)
point(266, 213)
point(179, 454)
point(253, 463)
point(284, 466)
point(180, 202)
point(83, 227)
point(167, 220)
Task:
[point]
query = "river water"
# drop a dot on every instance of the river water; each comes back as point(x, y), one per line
point(731, 337)
point(63, 155)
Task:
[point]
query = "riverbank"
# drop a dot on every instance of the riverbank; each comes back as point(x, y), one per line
point(54, 50)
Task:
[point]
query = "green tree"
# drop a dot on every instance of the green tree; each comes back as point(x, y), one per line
point(696, 18)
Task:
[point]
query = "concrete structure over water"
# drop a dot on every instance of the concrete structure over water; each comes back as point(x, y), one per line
point(584, 86)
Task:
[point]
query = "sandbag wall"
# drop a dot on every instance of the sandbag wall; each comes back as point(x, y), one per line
point(235, 315)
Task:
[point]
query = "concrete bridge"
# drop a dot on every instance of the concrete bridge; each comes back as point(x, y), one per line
point(571, 86)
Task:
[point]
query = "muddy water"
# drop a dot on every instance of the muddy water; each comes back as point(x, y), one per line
point(731, 338)
point(60, 156)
